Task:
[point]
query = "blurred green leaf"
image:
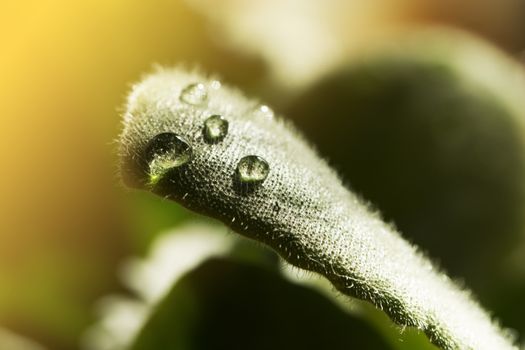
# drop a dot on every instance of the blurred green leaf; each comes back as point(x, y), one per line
point(225, 304)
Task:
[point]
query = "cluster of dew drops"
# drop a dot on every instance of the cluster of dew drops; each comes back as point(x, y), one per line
point(168, 150)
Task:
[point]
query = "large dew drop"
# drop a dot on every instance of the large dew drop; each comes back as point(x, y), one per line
point(194, 94)
point(215, 128)
point(252, 169)
point(166, 151)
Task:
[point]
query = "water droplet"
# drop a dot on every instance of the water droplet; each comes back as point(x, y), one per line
point(194, 94)
point(215, 128)
point(263, 111)
point(252, 169)
point(166, 151)
point(215, 85)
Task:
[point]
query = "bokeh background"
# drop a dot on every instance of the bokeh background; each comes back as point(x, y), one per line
point(67, 224)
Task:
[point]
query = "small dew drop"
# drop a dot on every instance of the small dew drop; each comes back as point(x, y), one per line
point(263, 111)
point(215, 128)
point(194, 94)
point(252, 169)
point(215, 85)
point(166, 151)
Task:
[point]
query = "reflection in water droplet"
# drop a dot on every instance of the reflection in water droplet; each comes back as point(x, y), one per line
point(252, 169)
point(263, 111)
point(215, 128)
point(166, 151)
point(194, 94)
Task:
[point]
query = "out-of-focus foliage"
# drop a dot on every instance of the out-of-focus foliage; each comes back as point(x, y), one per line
point(12, 341)
point(65, 221)
point(223, 304)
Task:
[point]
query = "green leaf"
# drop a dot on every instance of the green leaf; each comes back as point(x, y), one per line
point(300, 208)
